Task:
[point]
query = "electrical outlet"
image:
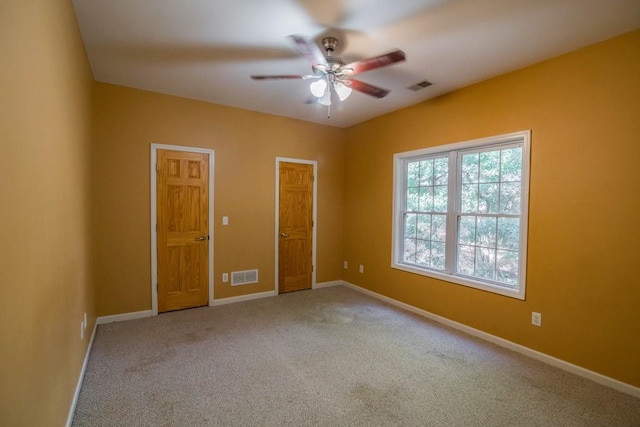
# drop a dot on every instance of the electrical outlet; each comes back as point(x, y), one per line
point(536, 319)
point(346, 265)
point(225, 220)
point(225, 277)
point(361, 268)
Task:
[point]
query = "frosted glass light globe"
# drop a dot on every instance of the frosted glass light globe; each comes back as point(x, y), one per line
point(325, 99)
point(318, 88)
point(342, 90)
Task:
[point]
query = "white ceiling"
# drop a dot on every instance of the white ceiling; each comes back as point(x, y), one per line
point(207, 49)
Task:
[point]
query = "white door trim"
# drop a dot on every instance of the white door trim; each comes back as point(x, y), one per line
point(154, 215)
point(315, 219)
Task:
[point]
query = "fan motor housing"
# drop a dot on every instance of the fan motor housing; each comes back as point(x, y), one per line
point(334, 60)
point(330, 44)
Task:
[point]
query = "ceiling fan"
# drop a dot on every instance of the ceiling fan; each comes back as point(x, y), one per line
point(330, 74)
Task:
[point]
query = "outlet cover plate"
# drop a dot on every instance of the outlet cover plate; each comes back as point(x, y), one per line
point(536, 319)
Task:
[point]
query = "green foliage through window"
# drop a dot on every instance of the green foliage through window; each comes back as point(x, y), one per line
point(425, 212)
point(469, 200)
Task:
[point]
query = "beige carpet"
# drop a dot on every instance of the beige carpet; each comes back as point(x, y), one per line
point(328, 357)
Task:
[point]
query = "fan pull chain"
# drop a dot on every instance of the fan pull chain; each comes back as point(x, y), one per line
point(329, 111)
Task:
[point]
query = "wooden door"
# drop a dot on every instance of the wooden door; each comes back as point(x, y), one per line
point(183, 229)
point(295, 227)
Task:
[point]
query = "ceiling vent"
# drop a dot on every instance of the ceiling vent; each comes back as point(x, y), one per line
point(420, 85)
point(244, 277)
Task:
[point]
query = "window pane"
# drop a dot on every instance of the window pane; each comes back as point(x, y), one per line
point(426, 172)
point(409, 253)
point(486, 232)
point(424, 226)
point(413, 174)
point(489, 166)
point(426, 199)
point(507, 265)
point(410, 225)
point(470, 168)
point(485, 263)
point(469, 198)
point(508, 233)
point(510, 198)
point(488, 198)
point(412, 199)
point(511, 164)
point(439, 228)
point(437, 255)
point(441, 171)
point(440, 198)
point(422, 252)
point(467, 230)
point(466, 259)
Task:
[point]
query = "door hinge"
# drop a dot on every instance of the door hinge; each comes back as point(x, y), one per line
point(156, 167)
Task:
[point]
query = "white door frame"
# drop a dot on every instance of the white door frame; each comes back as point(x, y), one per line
point(154, 216)
point(315, 219)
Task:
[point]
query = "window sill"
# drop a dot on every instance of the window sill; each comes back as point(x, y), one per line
point(459, 280)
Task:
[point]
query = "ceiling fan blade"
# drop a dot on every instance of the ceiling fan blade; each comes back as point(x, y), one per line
point(283, 76)
point(309, 50)
point(363, 87)
point(376, 62)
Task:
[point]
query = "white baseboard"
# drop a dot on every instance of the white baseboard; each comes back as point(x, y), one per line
point(74, 402)
point(550, 360)
point(124, 316)
point(148, 313)
point(328, 284)
point(241, 298)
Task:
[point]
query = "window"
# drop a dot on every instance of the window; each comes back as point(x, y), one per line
point(460, 212)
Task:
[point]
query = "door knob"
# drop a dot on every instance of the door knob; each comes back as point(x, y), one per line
point(284, 235)
point(201, 238)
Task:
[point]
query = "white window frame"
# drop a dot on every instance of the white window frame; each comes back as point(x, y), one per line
point(453, 150)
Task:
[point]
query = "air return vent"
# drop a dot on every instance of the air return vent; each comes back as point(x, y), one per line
point(244, 277)
point(420, 85)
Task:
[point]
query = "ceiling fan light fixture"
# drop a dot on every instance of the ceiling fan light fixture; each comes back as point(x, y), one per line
point(330, 74)
point(342, 90)
point(318, 88)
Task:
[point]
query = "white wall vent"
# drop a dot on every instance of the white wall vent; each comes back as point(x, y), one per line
point(420, 85)
point(244, 277)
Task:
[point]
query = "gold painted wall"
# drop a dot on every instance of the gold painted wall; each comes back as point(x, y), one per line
point(45, 211)
point(584, 230)
point(60, 189)
point(246, 144)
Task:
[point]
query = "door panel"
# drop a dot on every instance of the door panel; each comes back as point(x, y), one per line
point(183, 229)
point(295, 227)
